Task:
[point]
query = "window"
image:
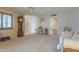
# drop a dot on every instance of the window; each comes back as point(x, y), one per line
point(5, 21)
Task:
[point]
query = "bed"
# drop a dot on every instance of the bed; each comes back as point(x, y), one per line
point(69, 42)
point(70, 45)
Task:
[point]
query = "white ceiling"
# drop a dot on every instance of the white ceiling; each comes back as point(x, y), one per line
point(40, 11)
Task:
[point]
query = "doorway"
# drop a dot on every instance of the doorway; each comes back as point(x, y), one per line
point(53, 25)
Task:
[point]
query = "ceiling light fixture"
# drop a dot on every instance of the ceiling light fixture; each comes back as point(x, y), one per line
point(30, 9)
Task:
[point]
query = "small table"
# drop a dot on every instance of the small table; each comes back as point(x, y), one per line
point(4, 38)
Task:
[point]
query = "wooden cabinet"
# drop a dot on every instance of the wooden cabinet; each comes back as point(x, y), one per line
point(20, 26)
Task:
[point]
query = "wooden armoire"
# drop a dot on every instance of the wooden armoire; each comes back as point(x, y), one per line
point(20, 26)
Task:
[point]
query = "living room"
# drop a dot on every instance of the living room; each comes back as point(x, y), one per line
point(34, 25)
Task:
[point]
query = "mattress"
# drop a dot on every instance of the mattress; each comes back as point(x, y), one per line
point(69, 43)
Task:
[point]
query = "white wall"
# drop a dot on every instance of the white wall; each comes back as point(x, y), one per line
point(75, 19)
point(33, 24)
point(63, 19)
point(11, 32)
point(69, 18)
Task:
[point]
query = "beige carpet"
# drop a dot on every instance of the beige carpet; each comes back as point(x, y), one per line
point(30, 43)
